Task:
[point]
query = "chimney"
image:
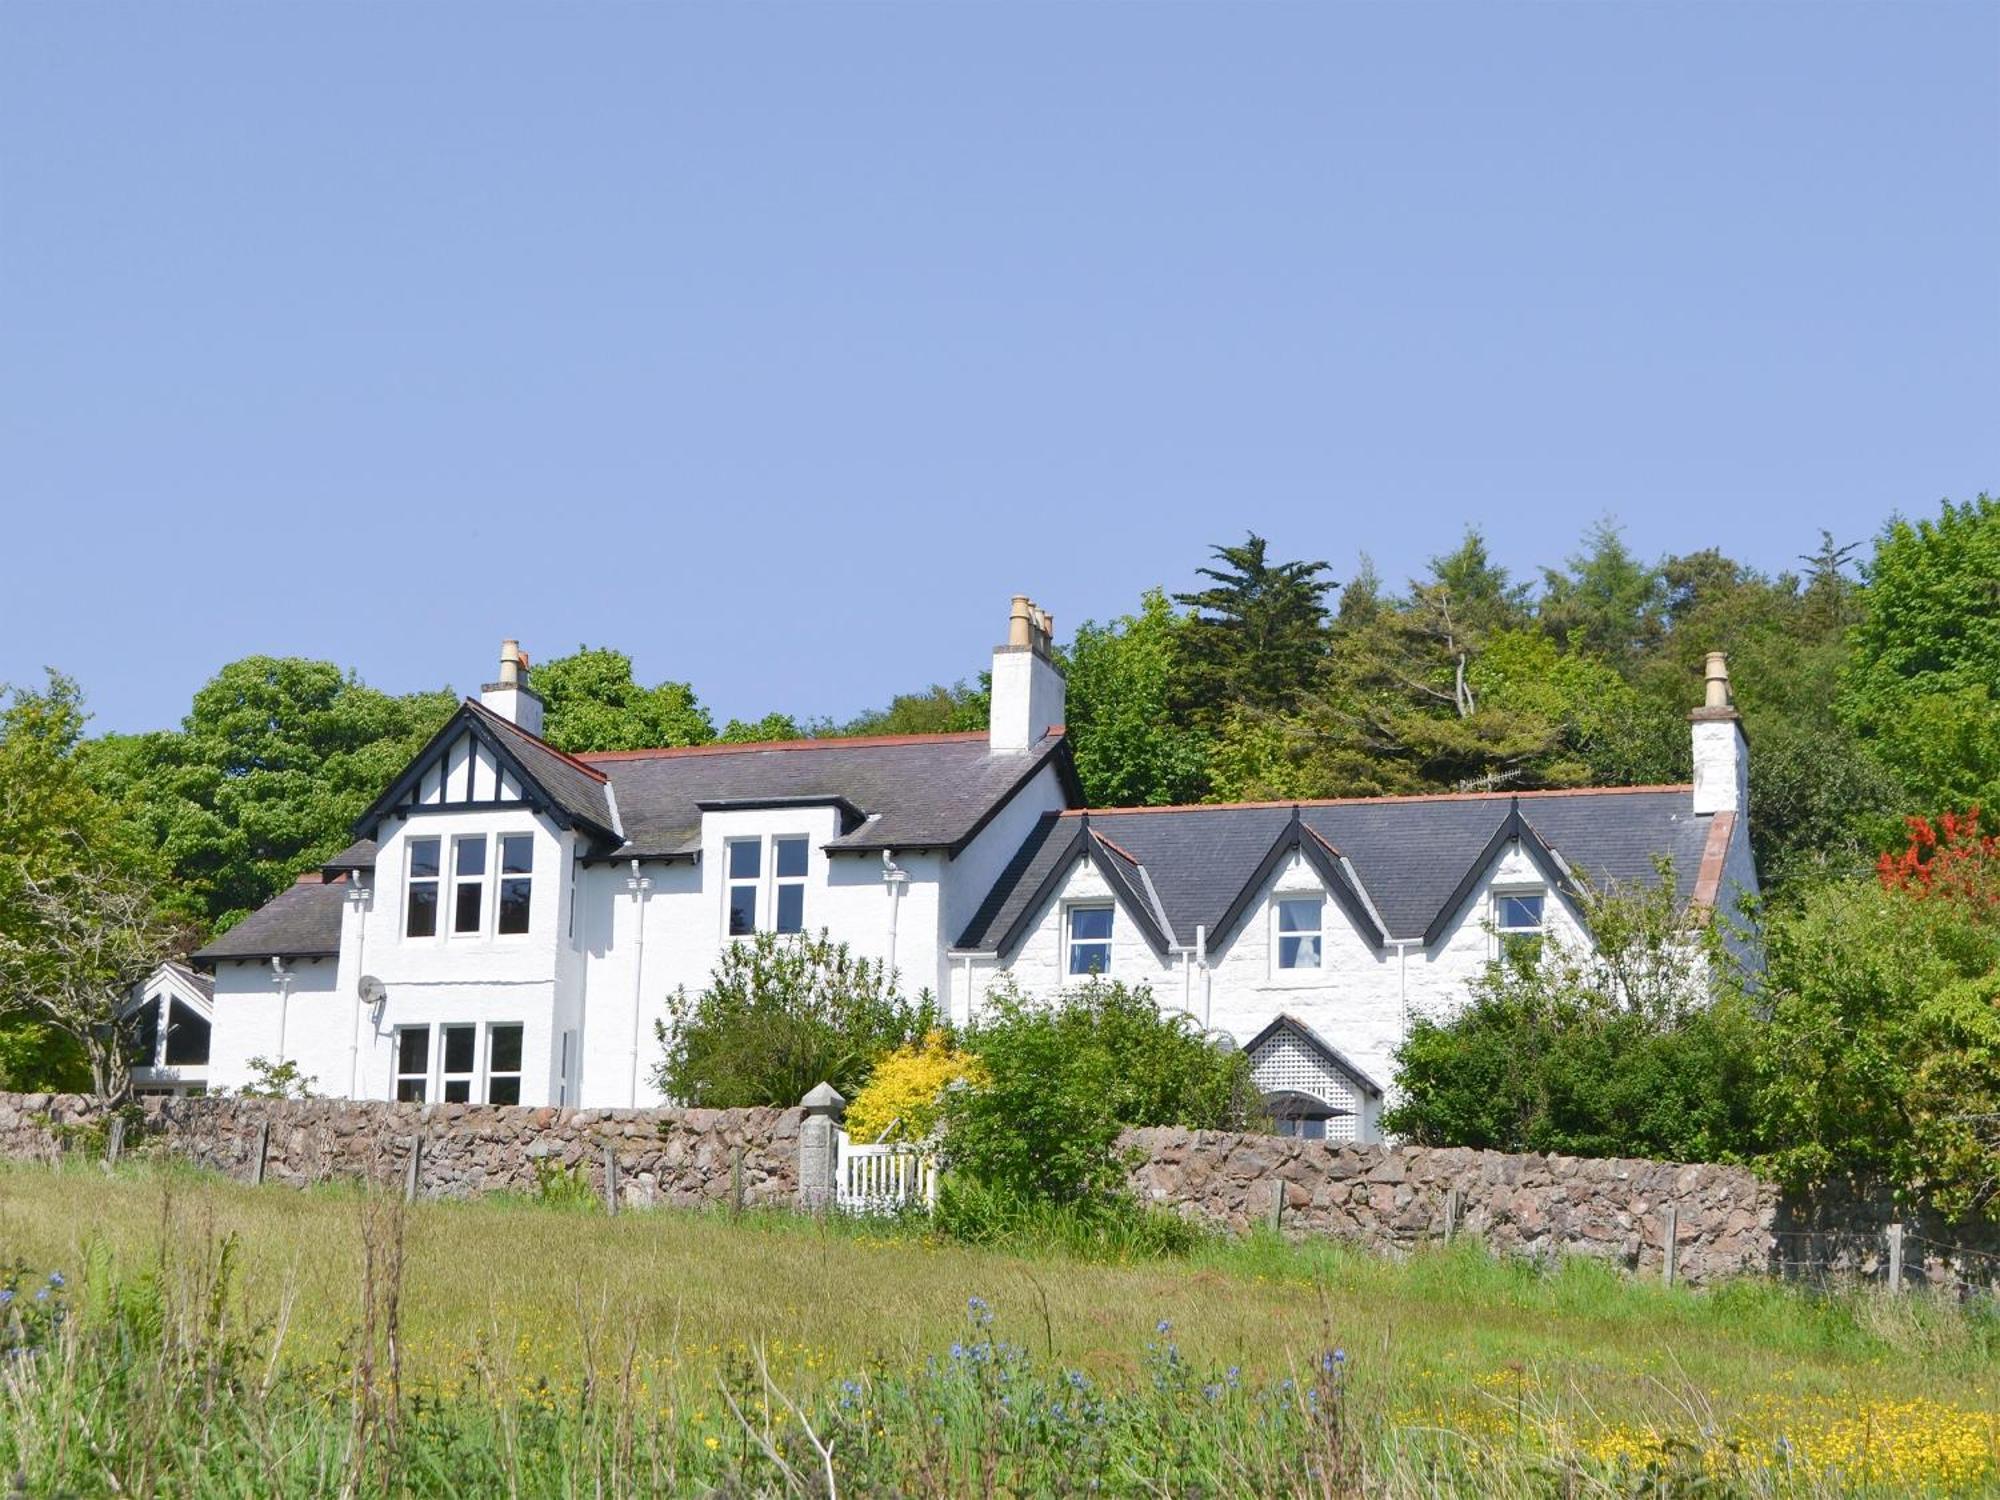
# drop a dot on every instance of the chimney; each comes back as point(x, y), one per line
point(1721, 753)
point(1027, 689)
point(511, 697)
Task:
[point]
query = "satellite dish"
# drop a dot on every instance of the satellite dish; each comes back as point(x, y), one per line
point(373, 990)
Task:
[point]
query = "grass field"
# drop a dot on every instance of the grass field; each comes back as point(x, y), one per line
point(534, 1336)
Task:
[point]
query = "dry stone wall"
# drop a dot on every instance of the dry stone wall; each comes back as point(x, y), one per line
point(666, 1157)
point(1396, 1198)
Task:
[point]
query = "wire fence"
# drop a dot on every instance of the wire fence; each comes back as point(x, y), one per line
point(1896, 1258)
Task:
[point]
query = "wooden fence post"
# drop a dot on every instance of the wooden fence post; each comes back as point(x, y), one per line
point(1673, 1249)
point(414, 1169)
point(259, 1152)
point(114, 1141)
point(611, 1181)
point(1277, 1205)
point(1453, 1208)
point(1895, 1260)
point(736, 1182)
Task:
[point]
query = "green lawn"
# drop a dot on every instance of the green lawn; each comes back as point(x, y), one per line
point(1577, 1367)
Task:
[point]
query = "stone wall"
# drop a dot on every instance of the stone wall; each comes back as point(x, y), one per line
point(1398, 1198)
point(671, 1157)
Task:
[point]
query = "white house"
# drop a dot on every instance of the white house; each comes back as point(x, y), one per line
point(511, 919)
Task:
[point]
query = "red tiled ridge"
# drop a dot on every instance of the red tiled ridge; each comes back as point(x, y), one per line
point(830, 742)
point(1571, 791)
point(591, 771)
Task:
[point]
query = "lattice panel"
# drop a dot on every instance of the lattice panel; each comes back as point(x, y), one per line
point(1284, 1064)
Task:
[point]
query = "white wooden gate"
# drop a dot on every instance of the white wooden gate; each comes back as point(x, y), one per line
point(882, 1179)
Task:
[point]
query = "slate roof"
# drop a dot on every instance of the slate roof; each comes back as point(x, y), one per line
point(896, 791)
point(359, 855)
point(576, 787)
point(1411, 854)
point(302, 921)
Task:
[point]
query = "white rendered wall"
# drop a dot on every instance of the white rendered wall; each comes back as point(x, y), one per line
point(246, 1021)
point(1027, 698)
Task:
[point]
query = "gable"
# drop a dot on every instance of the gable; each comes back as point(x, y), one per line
point(480, 761)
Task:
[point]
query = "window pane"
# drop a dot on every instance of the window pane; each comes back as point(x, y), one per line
point(1298, 952)
point(466, 913)
point(517, 853)
point(791, 908)
point(413, 1050)
point(423, 857)
point(423, 911)
point(514, 905)
point(746, 859)
point(410, 1090)
point(791, 859)
point(504, 1046)
point(471, 856)
point(742, 910)
point(1298, 916)
point(1520, 911)
point(458, 1091)
point(1089, 958)
point(503, 1091)
point(1090, 922)
point(187, 1036)
point(458, 1048)
point(1313, 1130)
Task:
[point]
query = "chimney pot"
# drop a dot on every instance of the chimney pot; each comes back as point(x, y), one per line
point(510, 663)
point(1716, 692)
point(1020, 622)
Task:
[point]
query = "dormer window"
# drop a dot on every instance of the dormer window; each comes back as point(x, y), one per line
point(1518, 919)
point(783, 909)
point(1089, 940)
point(421, 897)
point(1300, 925)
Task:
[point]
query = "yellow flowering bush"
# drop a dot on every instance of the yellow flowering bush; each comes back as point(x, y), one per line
point(904, 1094)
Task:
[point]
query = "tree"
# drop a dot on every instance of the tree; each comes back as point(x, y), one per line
point(95, 933)
point(1065, 1076)
point(1923, 683)
point(903, 1099)
point(937, 710)
point(1881, 1060)
point(773, 726)
point(274, 761)
point(1258, 632)
point(1129, 749)
point(780, 1015)
point(1626, 1047)
point(53, 824)
point(592, 702)
point(1605, 601)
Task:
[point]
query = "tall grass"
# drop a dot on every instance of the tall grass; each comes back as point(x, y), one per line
point(210, 1339)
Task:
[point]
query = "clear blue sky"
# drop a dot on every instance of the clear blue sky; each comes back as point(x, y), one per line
point(779, 346)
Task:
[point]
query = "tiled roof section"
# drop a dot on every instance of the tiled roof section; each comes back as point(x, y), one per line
point(302, 921)
point(913, 791)
point(359, 855)
point(574, 785)
point(1410, 853)
point(203, 984)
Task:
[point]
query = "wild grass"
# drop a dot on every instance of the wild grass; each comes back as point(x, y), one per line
point(344, 1343)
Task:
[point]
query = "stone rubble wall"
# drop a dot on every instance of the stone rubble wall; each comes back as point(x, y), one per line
point(666, 1157)
point(1396, 1198)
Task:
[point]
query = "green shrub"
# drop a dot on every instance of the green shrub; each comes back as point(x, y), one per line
point(781, 1014)
point(1065, 1076)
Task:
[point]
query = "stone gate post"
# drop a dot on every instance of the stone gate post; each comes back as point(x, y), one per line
point(819, 1146)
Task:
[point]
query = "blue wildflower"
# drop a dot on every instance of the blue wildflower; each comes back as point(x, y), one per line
point(56, 1278)
point(1212, 1392)
point(6, 1295)
point(958, 1351)
point(1163, 1326)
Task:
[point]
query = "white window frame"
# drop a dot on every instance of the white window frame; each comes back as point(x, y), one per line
point(1071, 942)
point(496, 860)
point(732, 882)
point(483, 880)
point(1278, 934)
point(780, 883)
point(397, 1077)
point(1501, 932)
point(468, 1075)
point(435, 882)
point(519, 1071)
